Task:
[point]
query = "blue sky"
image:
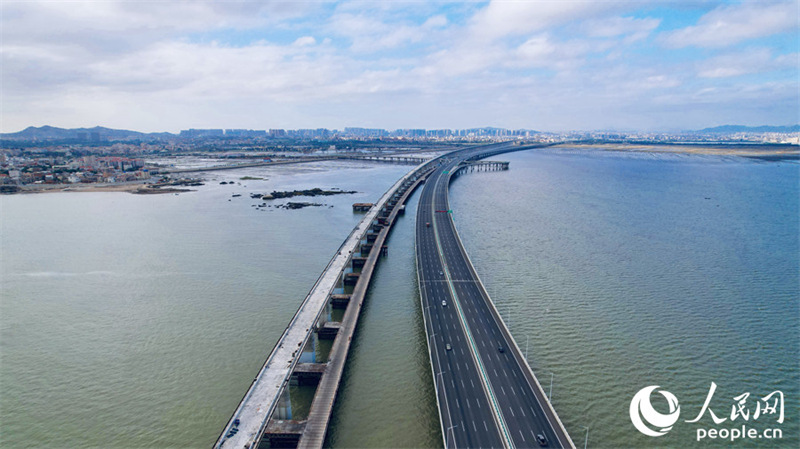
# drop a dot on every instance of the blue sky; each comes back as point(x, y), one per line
point(544, 65)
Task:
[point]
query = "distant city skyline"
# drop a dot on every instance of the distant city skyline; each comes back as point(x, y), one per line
point(538, 65)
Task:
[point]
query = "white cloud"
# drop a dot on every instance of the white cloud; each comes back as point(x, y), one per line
point(370, 34)
point(543, 51)
point(304, 41)
point(437, 21)
point(632, 28)
point(728, 25)
point(538, 64)
point(504, 18)
point(751, 60)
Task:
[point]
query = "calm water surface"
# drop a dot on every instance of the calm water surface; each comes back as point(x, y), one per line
point(139, 321)
point(621, 271)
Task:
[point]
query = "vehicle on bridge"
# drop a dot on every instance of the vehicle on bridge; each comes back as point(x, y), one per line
point(444, 303)
point(541, 439)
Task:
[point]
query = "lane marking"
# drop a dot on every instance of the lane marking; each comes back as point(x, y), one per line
point(498, 414)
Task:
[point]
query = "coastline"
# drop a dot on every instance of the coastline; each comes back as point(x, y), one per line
point(764, 152)
point(767, 153)
point(137, 187)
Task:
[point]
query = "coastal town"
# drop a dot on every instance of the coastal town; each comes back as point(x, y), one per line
point(47, 158)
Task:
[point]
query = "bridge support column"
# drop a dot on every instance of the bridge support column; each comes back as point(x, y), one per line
point(283, 409)
point(328, 314)
point(309, 354)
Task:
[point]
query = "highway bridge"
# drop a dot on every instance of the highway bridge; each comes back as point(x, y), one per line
point(486, 392)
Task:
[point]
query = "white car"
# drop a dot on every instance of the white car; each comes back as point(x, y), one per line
point(444, 303)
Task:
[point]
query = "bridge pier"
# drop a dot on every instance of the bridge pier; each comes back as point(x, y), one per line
point(329, 330)
point(282, 433)
point(328, 333)
point(357, 262)
point(478, 166)
point(340, 301)
point(308, 373)
point(351, 278)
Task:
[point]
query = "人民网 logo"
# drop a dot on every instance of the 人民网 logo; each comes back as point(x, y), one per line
point(646, 419)
point(655, 424)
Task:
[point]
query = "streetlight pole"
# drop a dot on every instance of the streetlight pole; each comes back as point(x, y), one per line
point(585, 443)
point(446, 444)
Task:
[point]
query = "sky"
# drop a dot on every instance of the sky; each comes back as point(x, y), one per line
point(554, 65)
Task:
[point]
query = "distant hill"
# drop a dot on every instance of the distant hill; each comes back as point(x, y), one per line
point(729, 129)
point(81, 134)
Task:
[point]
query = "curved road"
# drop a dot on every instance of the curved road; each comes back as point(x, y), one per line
point(487, 396)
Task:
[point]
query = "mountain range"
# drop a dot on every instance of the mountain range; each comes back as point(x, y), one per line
point(87, 134)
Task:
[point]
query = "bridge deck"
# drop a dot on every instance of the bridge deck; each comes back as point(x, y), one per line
point(322, 405)
point(262, 397)
point(474, 359)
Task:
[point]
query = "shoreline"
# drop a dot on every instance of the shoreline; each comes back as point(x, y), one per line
point(136, 188)
point(758, 152)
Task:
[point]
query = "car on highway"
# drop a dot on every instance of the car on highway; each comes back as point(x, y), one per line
point(448, 347)
point(541, 439)
point(444, 303)
point(441, 273)
point(501, 348)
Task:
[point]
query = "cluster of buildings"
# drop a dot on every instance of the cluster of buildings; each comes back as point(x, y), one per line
point(50, 155)
point(357, 133)
point(21, 170)
point(489, 133)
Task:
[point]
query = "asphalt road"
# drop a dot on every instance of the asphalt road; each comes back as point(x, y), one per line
point(487, 397)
